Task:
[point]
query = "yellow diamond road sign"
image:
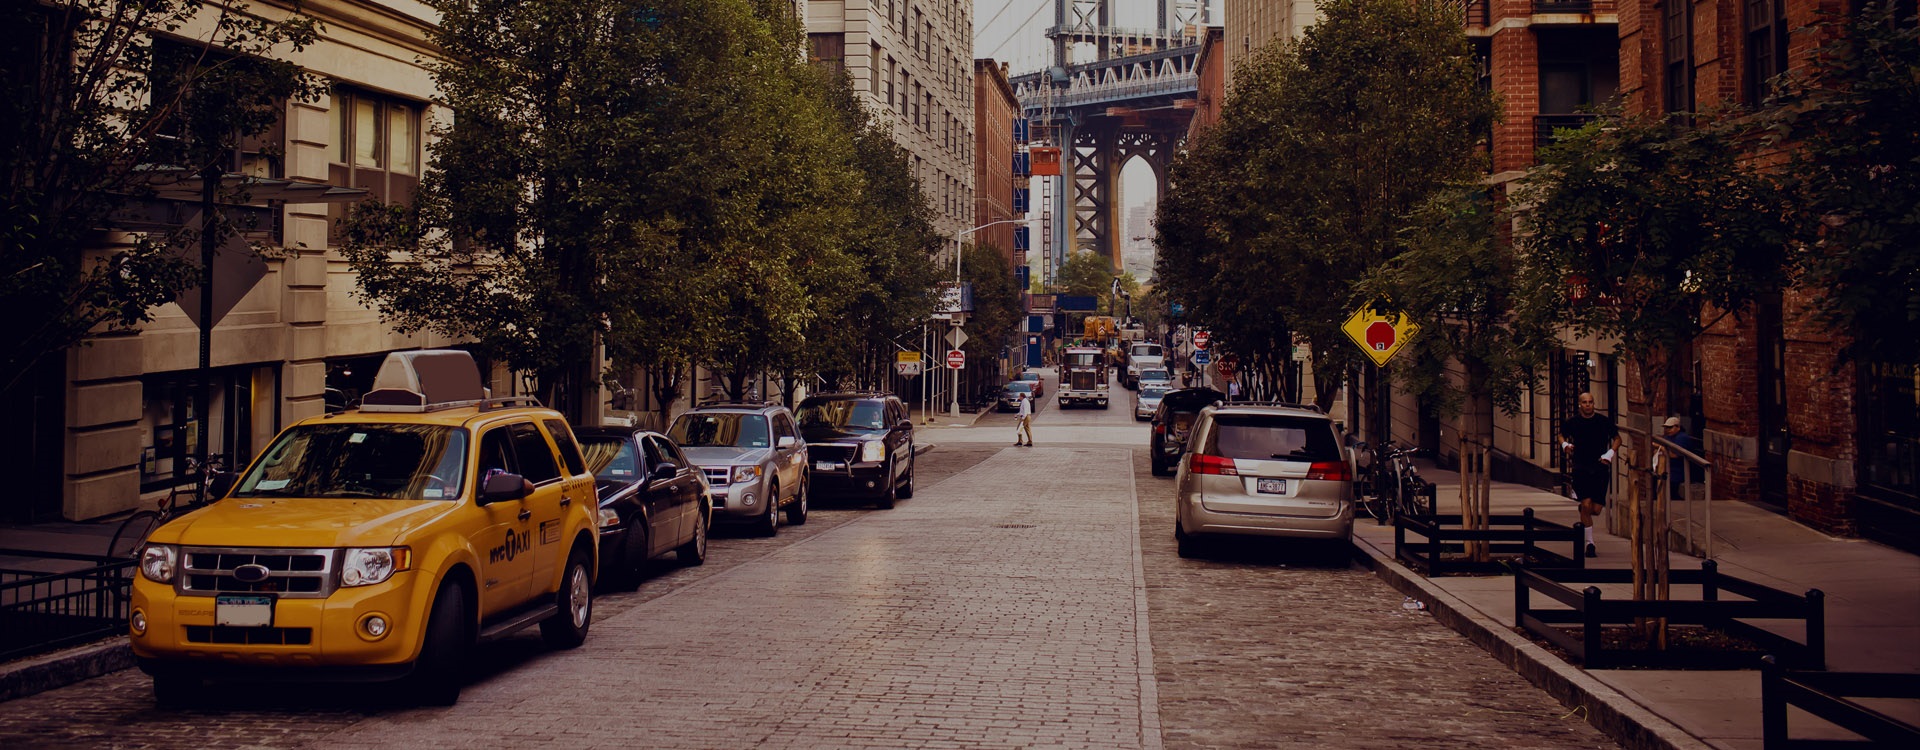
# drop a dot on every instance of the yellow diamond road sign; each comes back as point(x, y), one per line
point(1379, 336)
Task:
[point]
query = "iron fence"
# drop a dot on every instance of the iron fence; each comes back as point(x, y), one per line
point(41, 611)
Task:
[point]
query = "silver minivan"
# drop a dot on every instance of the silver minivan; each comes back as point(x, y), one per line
point(1272, 470)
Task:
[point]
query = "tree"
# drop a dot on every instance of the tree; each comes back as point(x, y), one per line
point(127, 116)
point(1323, 149)
point(996, 302)
point(1634, 227)
point(1850, 120)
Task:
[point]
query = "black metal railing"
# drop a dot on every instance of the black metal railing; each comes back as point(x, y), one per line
point(1590, 615)
point(1562, 6)
point(1545, 125)
point(41, 611)
point(1830, 696)
point(1507, 536)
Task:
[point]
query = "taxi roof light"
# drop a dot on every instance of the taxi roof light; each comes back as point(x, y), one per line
point(425, 380)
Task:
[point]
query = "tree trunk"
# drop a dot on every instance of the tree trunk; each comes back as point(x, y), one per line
point(666, 383)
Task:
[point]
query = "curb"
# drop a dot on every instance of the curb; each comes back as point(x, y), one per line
point(62, 668)
point(1614, 714)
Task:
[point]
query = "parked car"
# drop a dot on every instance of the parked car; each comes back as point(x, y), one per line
point(1010, 397)
point(859, 445)
point(1263, 470)
point(653, 501)
point(1147, 399)
point(1158, 377)
point(1141, 360)
point(1039, 383)
point(754, 460)
point(1173, 422)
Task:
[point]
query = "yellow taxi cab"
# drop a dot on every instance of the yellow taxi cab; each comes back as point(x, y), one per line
point(378, 544)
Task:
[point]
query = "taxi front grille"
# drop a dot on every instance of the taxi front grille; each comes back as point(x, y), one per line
point(291, 573)
point(249, 636)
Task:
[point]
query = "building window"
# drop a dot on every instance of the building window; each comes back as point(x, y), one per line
point(873, 71)
point(1890, 448)
point(1766, 25)
point(1678, 28)
point(829, 50)
point(376, 147)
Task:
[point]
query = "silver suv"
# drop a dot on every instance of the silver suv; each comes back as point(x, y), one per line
point(1274, 470)
point(754, 460)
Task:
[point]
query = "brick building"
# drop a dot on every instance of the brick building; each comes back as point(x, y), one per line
point(994, 110)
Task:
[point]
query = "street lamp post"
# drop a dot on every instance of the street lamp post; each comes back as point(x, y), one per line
point(954, 405)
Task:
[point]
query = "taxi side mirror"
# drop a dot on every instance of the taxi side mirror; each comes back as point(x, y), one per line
point(500, 488)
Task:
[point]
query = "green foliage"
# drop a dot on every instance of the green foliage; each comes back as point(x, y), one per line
point(1850, 120)
point(124, 118)
point(996, 301)
point(1324, 148)
point(1649, 219)
point(1085, 273)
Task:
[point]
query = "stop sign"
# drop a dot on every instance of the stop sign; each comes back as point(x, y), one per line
point(1200, 339)
point(956, 360)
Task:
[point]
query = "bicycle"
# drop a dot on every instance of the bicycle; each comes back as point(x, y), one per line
point(1389, 484)
point(133, 532)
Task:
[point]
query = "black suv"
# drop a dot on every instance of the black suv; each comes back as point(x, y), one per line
point(859, 445)
point(1173, 422)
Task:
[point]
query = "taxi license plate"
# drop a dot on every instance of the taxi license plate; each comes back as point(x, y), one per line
point(243, 611)
point(1273, 486)
point(825, 465)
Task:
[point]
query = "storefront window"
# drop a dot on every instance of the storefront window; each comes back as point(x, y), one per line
point(1890, 438)
point(242, 410)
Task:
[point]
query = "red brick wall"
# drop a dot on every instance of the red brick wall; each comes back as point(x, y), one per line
point(1516, 77)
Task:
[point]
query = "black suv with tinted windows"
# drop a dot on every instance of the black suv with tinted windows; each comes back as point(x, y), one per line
point(859, 445)
point(1173, 422)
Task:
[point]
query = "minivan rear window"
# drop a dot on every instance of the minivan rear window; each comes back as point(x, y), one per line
point(1272, 437)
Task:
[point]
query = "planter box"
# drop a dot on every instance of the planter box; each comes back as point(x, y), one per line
point(1594, 614)
point(1829, 695)
point(1507, 536)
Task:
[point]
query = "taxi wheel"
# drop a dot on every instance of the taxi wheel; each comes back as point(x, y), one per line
point(694, 552)
point(567, 628)
point(797, 512)
point(906, 483)
point(436, 677)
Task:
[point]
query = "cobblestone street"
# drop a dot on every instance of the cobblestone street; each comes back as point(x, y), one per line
point(1026, 597)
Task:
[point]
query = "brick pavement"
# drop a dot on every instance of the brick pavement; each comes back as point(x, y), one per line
point(997, 610)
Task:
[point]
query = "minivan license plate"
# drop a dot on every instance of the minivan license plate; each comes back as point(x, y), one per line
point(1273, 486)
point(243, 611)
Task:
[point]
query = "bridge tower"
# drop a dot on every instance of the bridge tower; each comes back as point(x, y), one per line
point(1112, 93)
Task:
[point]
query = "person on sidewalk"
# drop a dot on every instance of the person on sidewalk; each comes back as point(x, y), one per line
point(1589, 441)
point(1023, 422)
point(1676, 467)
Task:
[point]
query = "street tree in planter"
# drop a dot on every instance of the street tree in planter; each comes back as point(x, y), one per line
point(94, 115)
point(1633, 229)
point(1455, 279)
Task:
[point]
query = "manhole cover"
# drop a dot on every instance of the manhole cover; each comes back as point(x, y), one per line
point(1013, 526)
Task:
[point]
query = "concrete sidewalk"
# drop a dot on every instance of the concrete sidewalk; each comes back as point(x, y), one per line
point(1872, 612)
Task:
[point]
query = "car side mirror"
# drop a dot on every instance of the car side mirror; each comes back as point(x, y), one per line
point(500, 488)
point(904, 424)
point(665, 472)
point(222, 484)
point(786, 441)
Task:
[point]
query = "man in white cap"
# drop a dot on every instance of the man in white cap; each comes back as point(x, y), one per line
point(1676, 466)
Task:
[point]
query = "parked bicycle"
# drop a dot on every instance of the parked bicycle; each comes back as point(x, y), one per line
point(1388, 483)
point(133, 532)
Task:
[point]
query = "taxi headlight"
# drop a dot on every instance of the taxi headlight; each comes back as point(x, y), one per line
point(873, 451)
point(746, 473)
point(366, 566)
point(158, 562)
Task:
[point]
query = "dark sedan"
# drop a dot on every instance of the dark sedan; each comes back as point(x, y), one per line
point(858, 445)
point(1039, 383)
point(1010, 396)
point(1173, 422)
point(652, 500)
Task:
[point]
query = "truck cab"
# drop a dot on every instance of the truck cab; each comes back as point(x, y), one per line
point(1083, 376)
point(378, 544)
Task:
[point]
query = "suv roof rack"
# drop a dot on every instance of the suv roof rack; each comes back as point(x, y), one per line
point(1315, 408)
point(745, 404)
point(508, 402)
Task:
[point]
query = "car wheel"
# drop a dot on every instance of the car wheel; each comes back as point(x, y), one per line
point(906, 483)
point(694, 552)
point(797, 512)
point(567, 628)
point(888, 495)
point(770, 521)
point(1188, 546)
point(633, 557)
point(437, 675)
point(1160, 469)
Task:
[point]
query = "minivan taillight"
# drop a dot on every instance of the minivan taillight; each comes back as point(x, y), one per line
point(1337, 471)
point(1220, 465)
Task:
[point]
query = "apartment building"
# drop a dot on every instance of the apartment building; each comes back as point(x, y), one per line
point(995, 111)
point(912, 61)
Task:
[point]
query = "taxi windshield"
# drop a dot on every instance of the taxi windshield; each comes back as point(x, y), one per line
point(361, 461)
point(844, 413)
point(720, 430)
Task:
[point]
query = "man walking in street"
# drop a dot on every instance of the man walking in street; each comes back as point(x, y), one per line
point(1588, 441)
point(1023, 422)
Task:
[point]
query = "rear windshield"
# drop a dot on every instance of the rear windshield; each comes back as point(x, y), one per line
point(1267, 437)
